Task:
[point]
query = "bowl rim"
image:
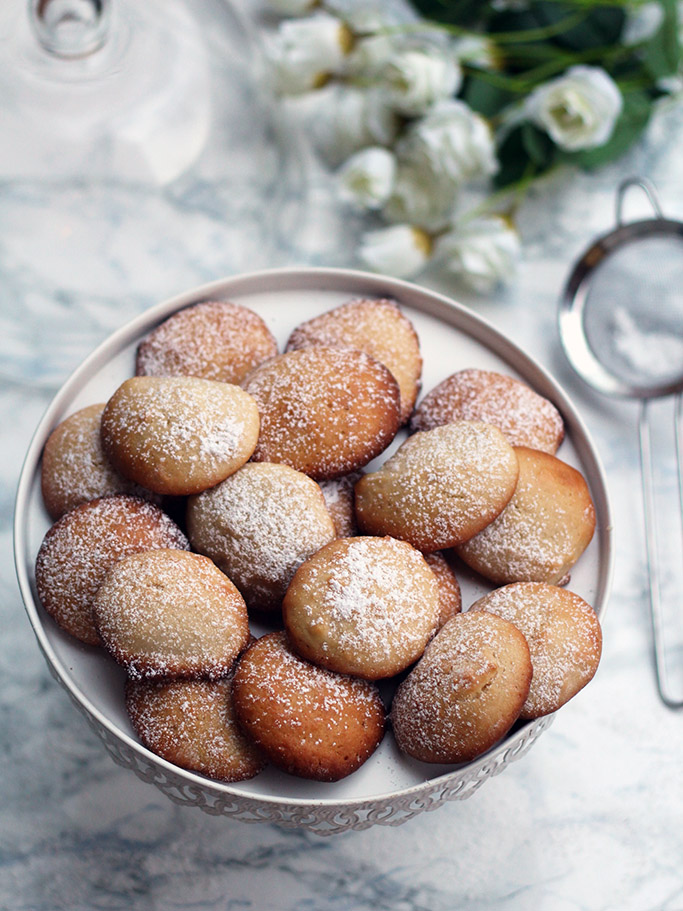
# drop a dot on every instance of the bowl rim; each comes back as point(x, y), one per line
point(474, 324)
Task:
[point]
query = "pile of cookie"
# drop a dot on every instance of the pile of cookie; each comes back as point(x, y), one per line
point(227, 482)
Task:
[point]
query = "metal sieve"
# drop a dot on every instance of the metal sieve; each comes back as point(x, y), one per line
point(621, 326)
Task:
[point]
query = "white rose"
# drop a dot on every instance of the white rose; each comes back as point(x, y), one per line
point(642, 22)
point(291, 7)
point(420, 198)
point(451, 141)
point(366, 16)
point(578, 110)
point(483, 251)
point(372, 53)
point(414, 80)
point(344, 119)
point(399, 250)
point(477, 50)
point(367, 178)
point(304, 53)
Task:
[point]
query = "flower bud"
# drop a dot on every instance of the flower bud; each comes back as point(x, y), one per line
point(399, 250)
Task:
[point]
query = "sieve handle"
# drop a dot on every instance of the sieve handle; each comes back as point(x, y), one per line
point(651, 543)
point(646, 186)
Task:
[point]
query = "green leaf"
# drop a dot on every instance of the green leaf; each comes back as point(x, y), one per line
point(629, 128)
point(662, 53)
point(523, 155)
point(484, 97)
point(538, 145)
point(450, 12)
point(601, 27)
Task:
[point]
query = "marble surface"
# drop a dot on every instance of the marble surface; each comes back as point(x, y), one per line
point(589, 820)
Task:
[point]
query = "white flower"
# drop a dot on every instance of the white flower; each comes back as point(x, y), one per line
point(414, 80)
point(304, 53)
point(344, 119)
point(642, 22)
point(477, 50)
point(483, 251)
point(367, 178)
point(579, 109)
point(451, 141)
point(291, 7)
point(365, 16)
point(370, 54)
point(399, 250)
point(419, 198)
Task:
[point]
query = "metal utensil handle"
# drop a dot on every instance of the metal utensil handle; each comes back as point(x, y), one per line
point(648, 188)
point(651, 544)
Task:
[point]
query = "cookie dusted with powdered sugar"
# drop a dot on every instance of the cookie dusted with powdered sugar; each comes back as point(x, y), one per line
point(450, 596)
point(74, 469)
point(308, 721)
point(465, 693)
point(324, 411)
point(191, 723)
point(363, 606)
point(340, 501)
point(441, 487)
point(170, 613)
point(79, 550)
point(178, 435)
point(525, 417)
point(564, 637)
point(543, 531)
point(215, 340)
point(376, 326)
point(258, 526)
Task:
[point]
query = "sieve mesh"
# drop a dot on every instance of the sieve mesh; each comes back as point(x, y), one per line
point(633, 315)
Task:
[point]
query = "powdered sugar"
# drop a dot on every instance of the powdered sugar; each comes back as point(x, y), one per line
point(465, 692)
point(564, 638)
point(78, 551)
point(179, 434)
point(543, 530)
point(170, 613)
point(377, 327)
point(526, 418)
point(325, 411)
point(216, 340)
point(440, 487)
point(364, 606)
point(259, 525)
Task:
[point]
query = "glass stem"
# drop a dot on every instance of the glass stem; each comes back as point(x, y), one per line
point(70, 28)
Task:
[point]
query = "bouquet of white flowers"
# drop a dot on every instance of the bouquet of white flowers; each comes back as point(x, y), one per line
point(437, 117)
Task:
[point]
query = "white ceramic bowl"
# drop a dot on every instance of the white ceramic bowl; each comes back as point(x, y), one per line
point(389, 788)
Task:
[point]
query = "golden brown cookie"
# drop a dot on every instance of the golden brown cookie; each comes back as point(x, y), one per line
point(525, 417)
point(440, 487)
point(544, 530)
point(450, 597)
point(308, 721)
point(465, 693)
point(74, 469)
point(216, 340)
point(324, 411)
point(564, 637)
point(376, 326)
point(170, 613)
point(340, 500)
point(258, 526)
point(191, 723)
point(178, 435)
point(363, 606)
point(79, 549)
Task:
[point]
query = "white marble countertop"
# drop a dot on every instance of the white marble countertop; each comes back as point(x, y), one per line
point(590, 819)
